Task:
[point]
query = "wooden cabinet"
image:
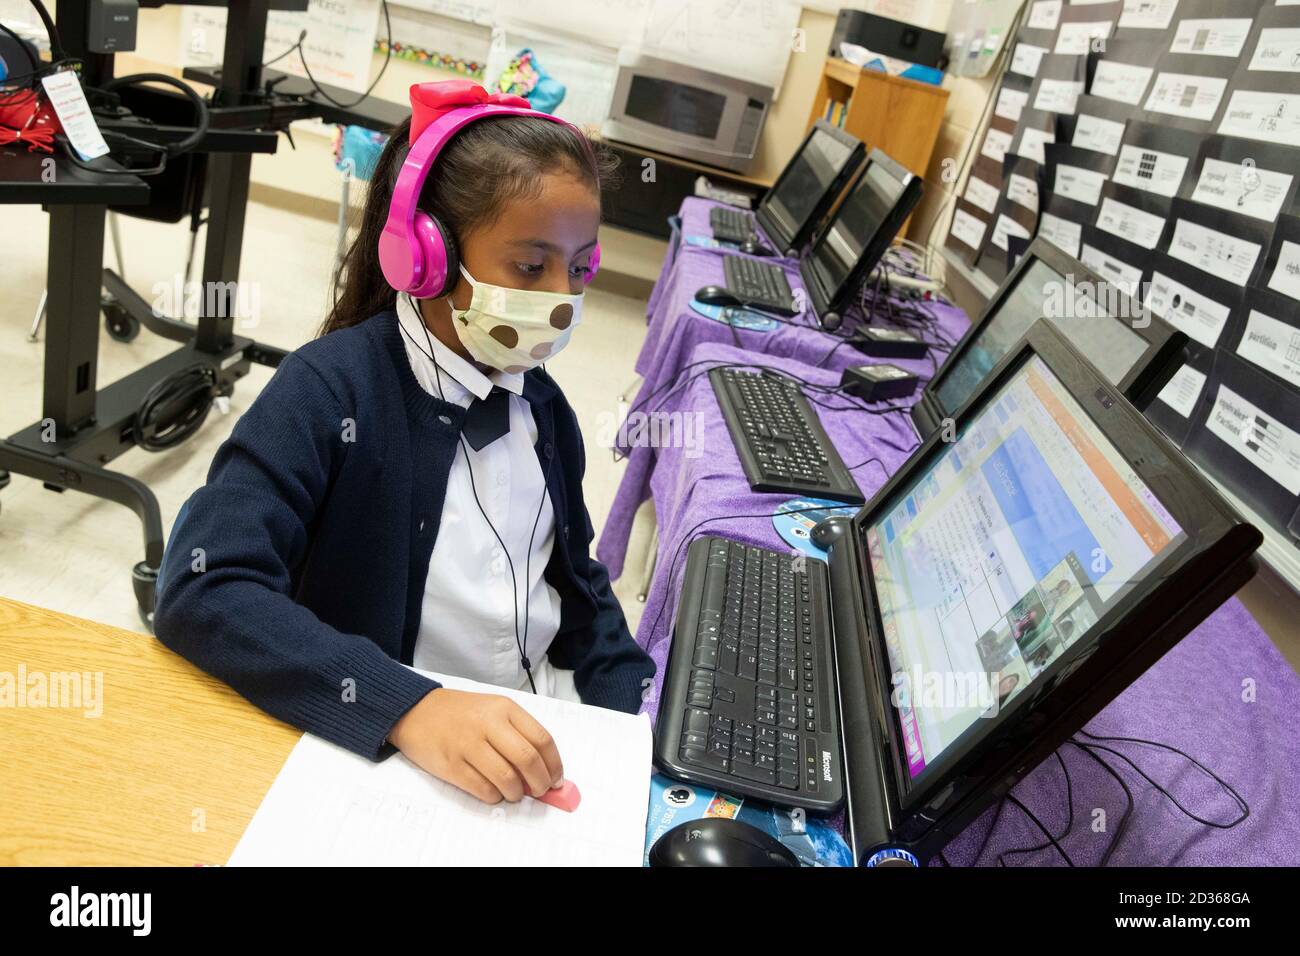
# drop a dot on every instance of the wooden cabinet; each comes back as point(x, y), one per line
point(901, 117)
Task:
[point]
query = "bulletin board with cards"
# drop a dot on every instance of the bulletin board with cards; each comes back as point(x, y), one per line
point(1158, 141)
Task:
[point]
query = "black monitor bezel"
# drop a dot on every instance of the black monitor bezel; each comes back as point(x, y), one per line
point(837, 300)
point(1142, 383)
point(767, 220)
point(1097, 667)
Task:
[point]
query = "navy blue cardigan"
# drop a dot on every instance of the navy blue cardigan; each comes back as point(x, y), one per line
point(296, 574)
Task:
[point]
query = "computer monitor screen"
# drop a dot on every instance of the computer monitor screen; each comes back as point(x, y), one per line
point(812, 172)
point(1005, 550)
point(1109, 344)
point(855, 224)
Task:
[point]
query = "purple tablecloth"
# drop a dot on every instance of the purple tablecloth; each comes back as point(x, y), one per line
point(692, 219)
point(666, 268)
point(1193, 699)
point(676, 330)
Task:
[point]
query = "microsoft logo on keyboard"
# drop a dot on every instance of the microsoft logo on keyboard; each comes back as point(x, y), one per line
point(826, 765)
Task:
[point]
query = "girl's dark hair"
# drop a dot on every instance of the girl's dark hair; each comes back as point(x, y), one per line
point(487, 164)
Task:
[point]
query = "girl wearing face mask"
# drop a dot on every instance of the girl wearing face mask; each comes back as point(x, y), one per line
point(408, 487)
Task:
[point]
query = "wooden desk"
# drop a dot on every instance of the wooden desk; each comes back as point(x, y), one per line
point(170, 773)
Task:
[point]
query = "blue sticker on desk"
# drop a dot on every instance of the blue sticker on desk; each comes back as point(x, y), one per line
point(736, 316)
point(813, 841)
point(795, 529)
point(708, 242)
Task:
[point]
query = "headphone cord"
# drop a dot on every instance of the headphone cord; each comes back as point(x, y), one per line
point(520, 645)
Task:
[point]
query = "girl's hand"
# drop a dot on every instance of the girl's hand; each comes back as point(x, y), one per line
point(485, 744)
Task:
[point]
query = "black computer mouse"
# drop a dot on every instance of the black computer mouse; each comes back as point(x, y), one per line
point(829, 530)
point(716, 295)
point(751, 247)
point(719, 841)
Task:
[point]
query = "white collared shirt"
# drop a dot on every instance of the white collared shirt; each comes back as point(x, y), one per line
point(467, 620)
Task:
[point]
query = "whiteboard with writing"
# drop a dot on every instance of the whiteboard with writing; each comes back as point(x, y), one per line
point(471, 11)
point(339, 44)
point(749, 39)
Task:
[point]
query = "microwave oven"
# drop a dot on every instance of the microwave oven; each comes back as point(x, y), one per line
point(687, 112)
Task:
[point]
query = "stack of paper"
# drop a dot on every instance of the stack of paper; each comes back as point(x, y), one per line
point(329, 807)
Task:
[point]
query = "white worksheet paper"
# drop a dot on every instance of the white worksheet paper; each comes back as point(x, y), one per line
point(330, 807)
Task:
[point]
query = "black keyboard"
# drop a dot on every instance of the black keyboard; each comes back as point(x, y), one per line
point(759, 284)
point(749, 695)
point(731, 225)
point(780, 441)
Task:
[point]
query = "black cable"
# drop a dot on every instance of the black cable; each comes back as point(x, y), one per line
point(22, 45)
point(521, 646)
point(57, 52)
point(58, 55)
point(886, 410)
point(1011, 797)
point(39, 68)
point(163, 150)
point(302, 35)
point(388, 23)
point(781, 319)
point(1232, 792)
point(528, 565)
point(158, 425)
point(1128, 796)
point(202, 115)
point(675, 384)
point(1091, 750)
point(835, 348)
point(72, 156)
point(46, 69)
point(686, 539)
point(988, 834)
point(1069, 823)
point(883, 470)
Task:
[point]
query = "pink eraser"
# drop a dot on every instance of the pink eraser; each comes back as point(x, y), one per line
point(564, 797)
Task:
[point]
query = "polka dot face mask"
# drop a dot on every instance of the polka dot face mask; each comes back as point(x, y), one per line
point(515, 329)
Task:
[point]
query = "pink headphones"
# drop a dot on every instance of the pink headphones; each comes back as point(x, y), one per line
point(416, 252)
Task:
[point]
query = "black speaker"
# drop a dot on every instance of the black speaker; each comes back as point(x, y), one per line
point(891, 38)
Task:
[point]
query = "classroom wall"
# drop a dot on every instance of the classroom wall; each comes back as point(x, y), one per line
point(966, 99)
point(787, 120)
